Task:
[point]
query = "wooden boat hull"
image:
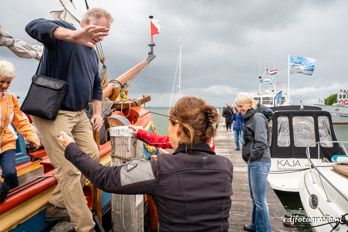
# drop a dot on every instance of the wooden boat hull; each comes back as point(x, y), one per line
point(24, 208)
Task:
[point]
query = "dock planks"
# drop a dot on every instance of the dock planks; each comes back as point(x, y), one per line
point(241, 209)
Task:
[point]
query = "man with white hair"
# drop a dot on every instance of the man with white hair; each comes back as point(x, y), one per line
point(69, 55)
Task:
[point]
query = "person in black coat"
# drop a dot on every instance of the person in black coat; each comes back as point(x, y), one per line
point(192, 188)
point(227, 113)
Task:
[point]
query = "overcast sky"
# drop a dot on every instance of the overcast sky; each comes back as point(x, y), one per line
point(226, 44)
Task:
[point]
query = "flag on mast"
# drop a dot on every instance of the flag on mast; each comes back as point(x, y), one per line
point(272, 71)
point(303, 65)
point(155, 26)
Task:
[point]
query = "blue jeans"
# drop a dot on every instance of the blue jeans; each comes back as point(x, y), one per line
point(258, 173)
point(238, 137)
point(8, 166)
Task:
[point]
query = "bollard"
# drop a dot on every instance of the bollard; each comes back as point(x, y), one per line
point(127, 210)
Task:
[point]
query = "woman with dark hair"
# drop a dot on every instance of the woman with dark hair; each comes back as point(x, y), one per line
point(192, 188)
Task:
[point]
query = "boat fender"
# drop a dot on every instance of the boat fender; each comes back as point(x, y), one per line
point(313, 201)
point(336, 156)
point(342, 160)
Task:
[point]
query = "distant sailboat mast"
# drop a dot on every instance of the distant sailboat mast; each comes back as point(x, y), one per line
point(180, 68)
point(178, 71)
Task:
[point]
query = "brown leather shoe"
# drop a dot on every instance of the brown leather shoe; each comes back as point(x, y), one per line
point(54, 213)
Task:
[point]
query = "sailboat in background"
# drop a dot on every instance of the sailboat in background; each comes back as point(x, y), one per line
point(176, 88)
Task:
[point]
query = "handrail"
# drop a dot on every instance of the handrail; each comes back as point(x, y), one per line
point(341, 144)
point(321, 175)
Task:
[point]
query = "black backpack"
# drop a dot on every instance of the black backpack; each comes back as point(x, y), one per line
point(268, 112)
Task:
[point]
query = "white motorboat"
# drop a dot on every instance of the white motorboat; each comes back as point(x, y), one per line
point(268, 94)
point(324, 196)
point(338, 110)
point(293, 128)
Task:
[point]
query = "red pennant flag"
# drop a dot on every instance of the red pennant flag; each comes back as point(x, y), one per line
point(155, 27)
point(272, 71)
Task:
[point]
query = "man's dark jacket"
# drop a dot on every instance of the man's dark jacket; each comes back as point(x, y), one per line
point(192, 191)
point(75, 63)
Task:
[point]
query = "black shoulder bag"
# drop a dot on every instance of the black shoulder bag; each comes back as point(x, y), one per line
point(45, 96)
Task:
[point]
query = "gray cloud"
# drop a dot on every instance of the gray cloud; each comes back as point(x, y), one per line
point(226, 43)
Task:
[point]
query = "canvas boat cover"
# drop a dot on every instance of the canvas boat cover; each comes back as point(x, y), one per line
point(341, 169)
point(20, 47)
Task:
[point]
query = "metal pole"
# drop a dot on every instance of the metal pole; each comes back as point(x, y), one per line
point(180, 70)
point(289, 99)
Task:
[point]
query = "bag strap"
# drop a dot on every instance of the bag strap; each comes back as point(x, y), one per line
point(69, 66)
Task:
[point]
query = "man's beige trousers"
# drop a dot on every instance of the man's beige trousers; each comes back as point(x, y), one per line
point(68, 193)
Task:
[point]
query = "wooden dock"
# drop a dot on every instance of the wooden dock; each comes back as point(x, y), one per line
point(241, 210)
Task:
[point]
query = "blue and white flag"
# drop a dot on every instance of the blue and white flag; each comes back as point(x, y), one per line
point(303, 65)
point(278, 99)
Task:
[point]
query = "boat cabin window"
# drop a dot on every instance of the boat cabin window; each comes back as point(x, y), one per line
point(304, 134)
point(283, 139)
point(283, 100)
point(325, 136)
point(257, 99)
point(267, 101)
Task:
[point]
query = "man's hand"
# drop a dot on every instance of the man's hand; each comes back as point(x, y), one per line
point(97, 121)
point(64, 139)
point(88, 36)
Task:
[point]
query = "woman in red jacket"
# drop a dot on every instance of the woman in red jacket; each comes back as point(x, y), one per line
point(156, 140)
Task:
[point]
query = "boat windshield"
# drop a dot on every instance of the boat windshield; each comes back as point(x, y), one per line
point(283, 139)
point(325, 135)
point(304, 133)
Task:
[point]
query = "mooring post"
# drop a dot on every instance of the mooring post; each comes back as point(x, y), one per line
point(127, 210)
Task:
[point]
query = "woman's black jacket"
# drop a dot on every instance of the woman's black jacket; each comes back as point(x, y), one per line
point(192, 188)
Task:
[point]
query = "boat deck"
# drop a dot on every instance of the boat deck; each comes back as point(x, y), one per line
point(241, 210)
